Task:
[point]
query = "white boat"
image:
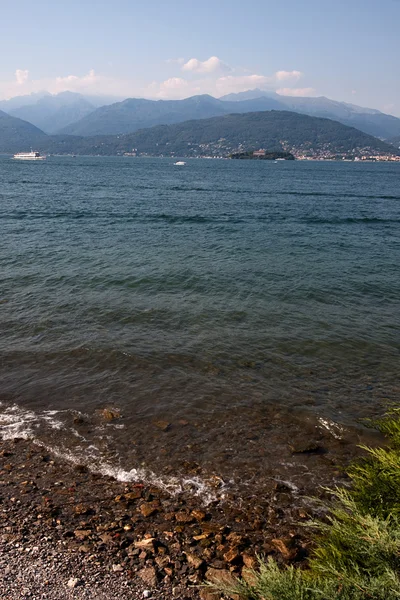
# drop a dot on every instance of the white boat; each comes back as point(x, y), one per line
point(28, 156)
point(180, 163)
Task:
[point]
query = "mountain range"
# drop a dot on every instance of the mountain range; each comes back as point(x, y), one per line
point(133, 114)
point(69, 113)
point(216, 136)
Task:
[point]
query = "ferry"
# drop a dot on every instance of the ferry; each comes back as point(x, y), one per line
point(28, 156)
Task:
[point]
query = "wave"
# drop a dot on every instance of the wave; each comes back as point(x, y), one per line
point(349, 220)
point(38, 427)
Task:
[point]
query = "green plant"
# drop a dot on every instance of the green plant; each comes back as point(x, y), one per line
point(357, 547)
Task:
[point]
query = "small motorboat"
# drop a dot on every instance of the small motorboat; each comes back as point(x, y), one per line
point(180, 163)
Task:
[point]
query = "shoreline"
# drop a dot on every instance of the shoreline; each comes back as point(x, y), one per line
point(68, 532)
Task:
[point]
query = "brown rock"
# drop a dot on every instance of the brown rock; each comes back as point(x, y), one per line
point(148, 508)
point(163, 425)
point(221, 576)
point(281, 547)
point(146, 543)
point(149, 576)
point(249, 561)
point(232, 556)
point(203, 536)
point(82, 534)
point(199, 515)
point(135, 495)
point(194, 561)
point(80, 509)
point(207, 594)
point(183, 517)
point(109, 414)
point(307, 447)
point(235, 539)
point(162, 561)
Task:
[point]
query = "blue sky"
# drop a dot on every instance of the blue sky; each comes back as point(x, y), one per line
point(346, 50)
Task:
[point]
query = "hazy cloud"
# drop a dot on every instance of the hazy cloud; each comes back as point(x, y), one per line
point(212, 65)
point(288, 75)
point(308, 91)
point(75, 83)
point(21, 76)
point(175, 87)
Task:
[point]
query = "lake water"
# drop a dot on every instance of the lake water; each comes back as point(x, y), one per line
point(239, 302)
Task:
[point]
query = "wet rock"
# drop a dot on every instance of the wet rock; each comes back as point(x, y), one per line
point(149, 576)
point(163, 425)
point(307, 447)
point(110, 414)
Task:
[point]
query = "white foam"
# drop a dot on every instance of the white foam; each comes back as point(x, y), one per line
point(16, 422)
point(334, 429)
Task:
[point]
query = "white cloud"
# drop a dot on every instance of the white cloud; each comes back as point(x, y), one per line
point(21, 76)
point(75, 83)
point(288, 75)
point(211, 76)
point(212, 65)
point(308, 91)
point(175, 87)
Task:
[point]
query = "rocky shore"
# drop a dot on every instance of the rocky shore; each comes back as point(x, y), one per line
point(66, 532)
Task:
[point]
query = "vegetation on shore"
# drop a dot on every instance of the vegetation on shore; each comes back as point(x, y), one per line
point(357, 548)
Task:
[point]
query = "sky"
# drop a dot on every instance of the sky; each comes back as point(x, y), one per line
point(345, 50)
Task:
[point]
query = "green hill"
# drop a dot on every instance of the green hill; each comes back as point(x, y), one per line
point(17, 135)
point(220, 136)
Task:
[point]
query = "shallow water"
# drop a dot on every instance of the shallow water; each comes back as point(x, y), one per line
point(217, 297)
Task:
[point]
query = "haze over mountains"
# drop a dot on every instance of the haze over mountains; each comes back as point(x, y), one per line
point(216, 136)
point(74, 114)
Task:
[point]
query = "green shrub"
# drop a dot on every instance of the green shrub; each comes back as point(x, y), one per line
point(357, 548)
